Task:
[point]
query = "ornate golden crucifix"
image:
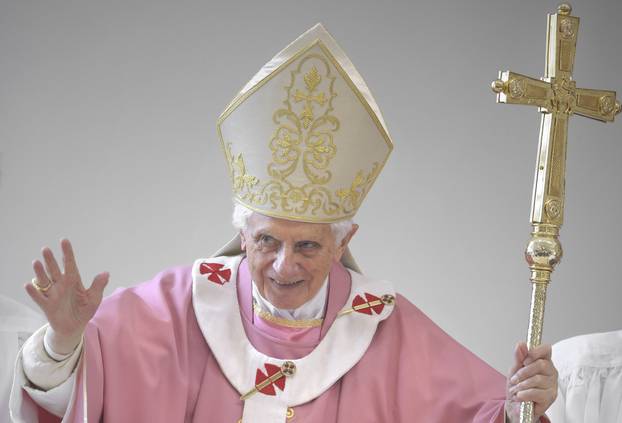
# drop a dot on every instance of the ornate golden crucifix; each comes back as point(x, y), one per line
point(556, 97)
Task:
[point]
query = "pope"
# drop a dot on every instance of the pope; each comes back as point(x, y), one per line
point(280, 325)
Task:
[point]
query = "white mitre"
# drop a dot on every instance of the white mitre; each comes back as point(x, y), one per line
point(304, 139)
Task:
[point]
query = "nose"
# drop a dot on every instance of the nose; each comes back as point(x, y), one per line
point(285, 264)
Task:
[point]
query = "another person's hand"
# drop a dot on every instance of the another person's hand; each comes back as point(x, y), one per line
point(67, 304)
point(533, 377)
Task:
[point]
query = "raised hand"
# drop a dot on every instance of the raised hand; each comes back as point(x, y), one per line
point(532, 378)
point(67, 304)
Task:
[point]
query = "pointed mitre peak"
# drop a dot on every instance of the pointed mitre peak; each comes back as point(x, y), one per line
point(304, 139)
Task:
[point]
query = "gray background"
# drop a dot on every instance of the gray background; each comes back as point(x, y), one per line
point(107, 136)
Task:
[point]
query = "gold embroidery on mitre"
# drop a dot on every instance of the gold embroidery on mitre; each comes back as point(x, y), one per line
point(240, 179)
point(306, 119)
point(351, 197)
point(299, 184)
point(304, 138)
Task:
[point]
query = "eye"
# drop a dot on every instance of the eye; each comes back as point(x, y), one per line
point(267, 241)
point(308, 245)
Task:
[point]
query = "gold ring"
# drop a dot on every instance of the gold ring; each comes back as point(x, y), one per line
point(39, 287)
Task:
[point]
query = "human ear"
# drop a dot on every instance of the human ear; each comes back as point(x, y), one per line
point(242, 240)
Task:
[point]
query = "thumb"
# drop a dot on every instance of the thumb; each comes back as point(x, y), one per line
point(99, 284)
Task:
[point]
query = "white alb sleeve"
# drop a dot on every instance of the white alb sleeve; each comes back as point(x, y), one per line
point(43, 371)
point(48, 382)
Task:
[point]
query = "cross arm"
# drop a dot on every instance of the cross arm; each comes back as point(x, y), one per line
point(597, 104)
point(514, 88)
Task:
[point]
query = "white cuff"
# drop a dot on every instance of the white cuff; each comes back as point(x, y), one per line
point(47, 345)
point(42, 368)
point(57, 399)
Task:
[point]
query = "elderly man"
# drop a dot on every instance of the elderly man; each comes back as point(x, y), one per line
point(279, 325)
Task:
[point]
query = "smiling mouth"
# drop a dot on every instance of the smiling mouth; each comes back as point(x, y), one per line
point(286, 284)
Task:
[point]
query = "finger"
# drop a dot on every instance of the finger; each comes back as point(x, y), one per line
point(36, 296)
point(51, 265)
point(69, 260)
point(520, 353)
point(44, 281)
point(42, 277)
point(537, 381)
point(541, 367)
point(543, 351)
point(99, 284)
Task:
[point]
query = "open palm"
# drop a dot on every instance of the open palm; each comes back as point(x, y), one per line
point(67, 304)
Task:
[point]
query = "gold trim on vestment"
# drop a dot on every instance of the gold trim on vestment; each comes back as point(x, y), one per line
point(266, 315)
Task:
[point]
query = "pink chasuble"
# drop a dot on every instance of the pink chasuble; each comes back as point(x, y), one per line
point(147, 360)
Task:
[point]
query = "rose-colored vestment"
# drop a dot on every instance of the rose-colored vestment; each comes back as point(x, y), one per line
point(148, 361)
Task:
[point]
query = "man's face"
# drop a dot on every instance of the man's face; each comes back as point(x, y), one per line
point(288, 260)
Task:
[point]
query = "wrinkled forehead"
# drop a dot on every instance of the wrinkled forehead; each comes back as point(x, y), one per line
point(288, 229)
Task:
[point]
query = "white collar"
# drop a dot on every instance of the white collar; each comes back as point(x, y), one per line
point(312, 309)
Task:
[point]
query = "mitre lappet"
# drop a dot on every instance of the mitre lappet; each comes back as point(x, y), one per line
point(304, 139)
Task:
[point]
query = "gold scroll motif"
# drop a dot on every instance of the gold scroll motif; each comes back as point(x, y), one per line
point(242, 182)
point(304, 138)
point(350, 198)
point(306, 120)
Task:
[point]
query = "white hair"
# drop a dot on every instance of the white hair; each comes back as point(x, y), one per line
point(242, 213)
point(240, 216)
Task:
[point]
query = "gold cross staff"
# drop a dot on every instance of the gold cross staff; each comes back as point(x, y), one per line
point(556, 97)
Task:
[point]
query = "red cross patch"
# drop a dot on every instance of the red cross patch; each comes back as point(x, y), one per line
point(371, 302)
point(265, 383)
point(275, 376)
point(216, 272)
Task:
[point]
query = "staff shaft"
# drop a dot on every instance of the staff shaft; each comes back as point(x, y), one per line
point(534, 335)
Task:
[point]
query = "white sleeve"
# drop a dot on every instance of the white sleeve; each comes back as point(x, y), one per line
point(43, 371)
point(557, 411)
point(48, 382)
point(590, 379)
